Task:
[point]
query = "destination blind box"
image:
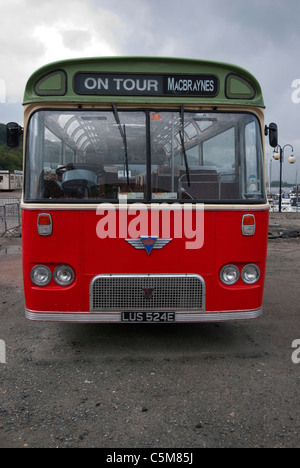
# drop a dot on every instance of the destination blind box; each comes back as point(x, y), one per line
point(146, 85)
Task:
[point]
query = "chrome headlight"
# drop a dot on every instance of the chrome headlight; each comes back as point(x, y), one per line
point(250, 274)
point(40, 275)
point(230, 274)
point(64, 275)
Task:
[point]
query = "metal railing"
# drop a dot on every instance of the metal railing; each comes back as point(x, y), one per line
point(10, 219)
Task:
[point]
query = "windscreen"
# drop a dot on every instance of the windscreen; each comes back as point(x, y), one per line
point(104, 156)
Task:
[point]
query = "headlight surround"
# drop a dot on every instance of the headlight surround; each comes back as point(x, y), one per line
point(250, 274)
point(229, 275)
point(41, 275)
point(64, 275)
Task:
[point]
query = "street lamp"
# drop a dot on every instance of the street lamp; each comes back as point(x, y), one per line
point(279, 156)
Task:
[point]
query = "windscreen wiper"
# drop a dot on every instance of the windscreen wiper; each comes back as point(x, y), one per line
point(124, 138)
point(181, 133)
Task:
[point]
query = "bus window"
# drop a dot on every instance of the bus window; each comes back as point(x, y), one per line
point(83, 155)
point(215, 156)
point(107, 156)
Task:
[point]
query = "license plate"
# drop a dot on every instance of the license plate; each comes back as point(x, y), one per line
point(148, 317)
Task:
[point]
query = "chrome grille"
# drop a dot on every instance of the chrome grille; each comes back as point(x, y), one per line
point(128, 293)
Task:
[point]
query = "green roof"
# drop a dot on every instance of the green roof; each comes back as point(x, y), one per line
point(170, 81)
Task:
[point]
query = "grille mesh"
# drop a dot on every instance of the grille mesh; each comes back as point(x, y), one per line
point(147, 292)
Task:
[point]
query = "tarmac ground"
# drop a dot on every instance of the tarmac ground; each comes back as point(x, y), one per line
point(185, 386)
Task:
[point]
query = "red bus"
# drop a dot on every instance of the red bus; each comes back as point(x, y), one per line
point(144, 191)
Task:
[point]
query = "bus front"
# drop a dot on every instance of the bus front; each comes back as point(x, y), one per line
point(144, 196)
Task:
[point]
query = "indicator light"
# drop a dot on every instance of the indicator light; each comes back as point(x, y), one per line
point(44, 224)
point(156, 116)
point(248, 225)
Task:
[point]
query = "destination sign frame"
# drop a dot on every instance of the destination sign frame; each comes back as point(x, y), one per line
point(130, 84)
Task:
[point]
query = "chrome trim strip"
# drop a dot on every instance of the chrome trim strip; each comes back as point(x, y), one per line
point(181, 317)
point(107, 206)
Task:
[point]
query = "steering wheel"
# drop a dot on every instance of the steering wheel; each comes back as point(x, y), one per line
point(62, 169)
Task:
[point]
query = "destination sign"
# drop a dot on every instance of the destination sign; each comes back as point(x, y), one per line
point(146, 85)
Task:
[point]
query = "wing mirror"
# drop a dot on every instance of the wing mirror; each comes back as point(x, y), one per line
point(13, 133)
point(272, 131)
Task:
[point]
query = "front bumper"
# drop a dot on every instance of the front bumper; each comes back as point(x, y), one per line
point(115, 317)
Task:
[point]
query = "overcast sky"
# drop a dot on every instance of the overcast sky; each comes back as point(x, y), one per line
point(262, 36)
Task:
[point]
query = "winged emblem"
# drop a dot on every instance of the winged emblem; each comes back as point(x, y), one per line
point(148, 243)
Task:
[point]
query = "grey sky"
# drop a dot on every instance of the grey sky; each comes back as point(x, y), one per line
point(262, 36)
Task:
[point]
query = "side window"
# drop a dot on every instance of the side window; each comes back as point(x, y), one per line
point(69, 155)
point(219, 151)
point(253, 183)
point(52, 151)
point(193, 156)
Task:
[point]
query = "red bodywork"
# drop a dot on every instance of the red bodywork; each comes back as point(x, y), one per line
point(74, 242)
